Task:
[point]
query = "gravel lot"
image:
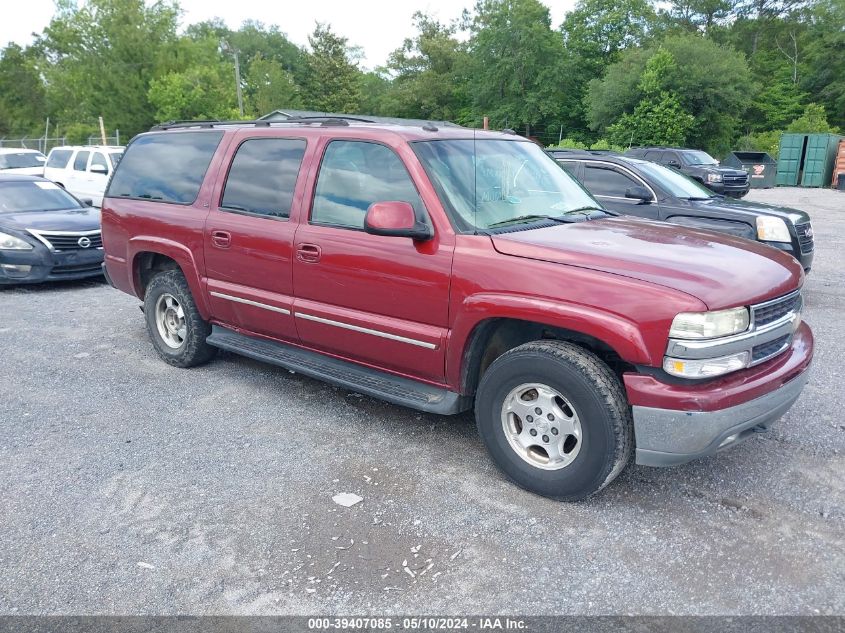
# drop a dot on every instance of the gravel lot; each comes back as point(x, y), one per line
point(130, 487)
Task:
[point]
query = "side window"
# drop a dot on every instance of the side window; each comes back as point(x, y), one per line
point(81, 161)
point(263, 176)
point(165, 166)
point(99, 160)
point(653, 156)
point(59, 158)
point(671, 157)
point(570, 167)
point(603, 181)
point(354, 175)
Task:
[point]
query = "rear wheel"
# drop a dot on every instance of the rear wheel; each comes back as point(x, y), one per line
point(555, 419)
point(174, 324)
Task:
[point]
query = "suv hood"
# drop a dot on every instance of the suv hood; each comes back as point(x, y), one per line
point(732, 205)
point(82, 219)
point(720, 270)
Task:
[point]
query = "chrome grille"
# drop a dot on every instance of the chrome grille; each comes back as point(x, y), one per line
point(805, 237)
point(771, 311)
point(767, 350)
point(69, 240)
point(735, 179)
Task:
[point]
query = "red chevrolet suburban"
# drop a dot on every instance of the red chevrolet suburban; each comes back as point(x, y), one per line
point(443, 268)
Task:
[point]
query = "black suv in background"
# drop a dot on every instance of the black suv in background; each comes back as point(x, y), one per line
point(637, 187)
point(698, 165)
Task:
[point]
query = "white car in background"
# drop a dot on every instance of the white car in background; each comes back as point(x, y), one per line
point(83, 170)
point(27, 162)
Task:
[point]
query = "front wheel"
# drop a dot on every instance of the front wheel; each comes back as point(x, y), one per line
point(175, 326)
point(555, 419)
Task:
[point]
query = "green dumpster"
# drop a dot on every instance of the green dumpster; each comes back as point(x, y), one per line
point(790, 159)
point(819, 159)
point(761, 168)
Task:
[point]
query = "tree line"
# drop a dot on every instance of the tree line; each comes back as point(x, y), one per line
point(713, 74)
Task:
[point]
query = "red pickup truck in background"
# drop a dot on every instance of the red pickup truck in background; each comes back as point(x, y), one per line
point(447, 268)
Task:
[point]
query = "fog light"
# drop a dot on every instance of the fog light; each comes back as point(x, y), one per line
point(705, 368)
point(16, 270)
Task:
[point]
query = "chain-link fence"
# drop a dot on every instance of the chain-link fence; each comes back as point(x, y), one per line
point(42, 144)
point(110, 140)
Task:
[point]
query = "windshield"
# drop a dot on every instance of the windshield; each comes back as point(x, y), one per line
point(21, 160)
point(493, 183)
point(18, 196)
point(674, 181)
point(697, 157)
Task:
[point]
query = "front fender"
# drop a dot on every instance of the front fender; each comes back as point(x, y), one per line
point(176, 251)
point(616, 331)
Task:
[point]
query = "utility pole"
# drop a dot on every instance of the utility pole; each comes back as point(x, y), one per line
point(238, 84)
point(227, 48)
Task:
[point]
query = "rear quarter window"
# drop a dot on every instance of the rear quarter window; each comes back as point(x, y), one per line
point(167, 167)
point(59, 158)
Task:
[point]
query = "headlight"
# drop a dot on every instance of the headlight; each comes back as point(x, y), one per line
point(12, 243)
point(771, 229)
point(701, 325)
point(714, 177)
point(706, 368)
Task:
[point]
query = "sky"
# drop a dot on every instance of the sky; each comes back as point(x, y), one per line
point(377, 27)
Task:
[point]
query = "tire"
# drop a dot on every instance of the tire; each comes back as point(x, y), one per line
point(587, 403)
point(179, 341)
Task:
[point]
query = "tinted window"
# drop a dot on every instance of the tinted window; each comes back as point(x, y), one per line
point(570, 166)
point(100, 160)
point(263, 176)
point(24, 159)
point(607, 182)
point(654, 156)
point(34, 195)
point(169, 166)
point(81, 161)
point(354, 175)
point(59, 158)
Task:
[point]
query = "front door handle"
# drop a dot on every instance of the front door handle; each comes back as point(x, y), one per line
point(308, 253)
point(221, 239)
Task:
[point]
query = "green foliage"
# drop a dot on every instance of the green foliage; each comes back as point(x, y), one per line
point(331, 83)
point(658, 119)
point(270, 87)
point(23, 100)
point(101, 58)
point(79, 133)
point(761, 142)
point(515, 60)
point(428, 73)
point(200, 92)
point(813, 120)
point(708, 81)
point(569, 143)
point(825, 54)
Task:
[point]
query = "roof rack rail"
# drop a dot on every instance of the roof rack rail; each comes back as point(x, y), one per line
point(211, 123)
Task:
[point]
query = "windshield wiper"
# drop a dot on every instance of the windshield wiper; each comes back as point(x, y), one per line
point(699, 198)
point(585, 209)
point(522, 219)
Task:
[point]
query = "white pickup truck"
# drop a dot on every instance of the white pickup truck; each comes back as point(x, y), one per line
point(83, 170)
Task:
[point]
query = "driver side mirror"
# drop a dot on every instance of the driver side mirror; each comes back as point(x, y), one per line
point(99, 169)
point(88, 202)
point(395, 219)
point(674, 163)
point(638, 193)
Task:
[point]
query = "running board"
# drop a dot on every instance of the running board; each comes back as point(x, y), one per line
point(371, 382)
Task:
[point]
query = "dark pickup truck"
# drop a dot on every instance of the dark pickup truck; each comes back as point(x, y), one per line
point(698, 165)
point(450, 269)
point(637, 187)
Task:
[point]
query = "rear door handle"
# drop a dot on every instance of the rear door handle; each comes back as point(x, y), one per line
point(308, 253)
point(221, 239)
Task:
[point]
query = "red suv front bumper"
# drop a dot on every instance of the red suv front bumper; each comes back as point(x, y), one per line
point(676, 423)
